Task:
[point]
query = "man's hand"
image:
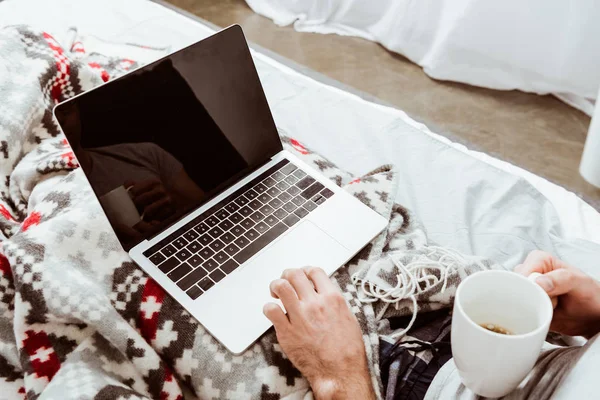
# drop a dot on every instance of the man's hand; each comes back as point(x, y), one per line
point(320, 335)
point(151, 199)
point(575, 295)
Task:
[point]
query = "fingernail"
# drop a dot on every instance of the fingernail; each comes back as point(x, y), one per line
point(545, 282)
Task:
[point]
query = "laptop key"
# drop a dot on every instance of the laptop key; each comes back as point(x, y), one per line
point(289, 207)
point(257, 216)
point(299, 174)
point(217, 275)
point(231, 249)
point(205, 239)
point(194, 292)
point(194, 247)
point(264, 198)
point(168, 250)
point(179, 243)
point(241, 242)
point(306, 182)
point(261, 227)
point(190, 235)
point(227, 237)
point(229, 266)
point(222, 214)
point(266, 209)
point(241, 201)
point(288, 169)
point(206, 284)
point(157, 258)
point(271, 220)
point(192, 278)
point(206, 253)
point(217, 245)
point(260, 188)
point(169, 265)
point(301, 212)
point(183, 255)
point(235, 218)
point(280, 213)
point(291, 180)
point(201, 228)
point(285, 197)
point(215, 232)
point(282, 186)
point(225, 225)
point(211, 221)
point(260, 243)
point(232, 207)
point(291, 219)
point(309, 205)
point(293, 191)
point(255, 204)
point(269, 182)
point(250, 194)
point(246, 211)
point(311, 191)
point(251, 234)
point(275, 203)
point(298, 200)
point(277, 176)
point(247, 223)
point(237, 230)
point(221, 257)
point(273, 192)
point(327, 193)
point(179, 272)
point(318, 199)
point(210, 265)
point(194, 260)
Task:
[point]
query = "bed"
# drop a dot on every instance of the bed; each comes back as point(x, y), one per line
point(466, 200)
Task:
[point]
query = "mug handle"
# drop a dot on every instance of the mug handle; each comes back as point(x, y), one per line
point(533, 276)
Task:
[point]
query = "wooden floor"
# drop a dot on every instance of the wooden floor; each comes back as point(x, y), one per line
point(537, 133)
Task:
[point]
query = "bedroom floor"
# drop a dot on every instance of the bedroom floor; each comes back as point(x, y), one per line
point(538, 133)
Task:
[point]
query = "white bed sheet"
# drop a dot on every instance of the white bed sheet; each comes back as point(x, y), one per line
point(467, 200)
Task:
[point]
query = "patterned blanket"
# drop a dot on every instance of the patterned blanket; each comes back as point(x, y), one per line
point(79, 320)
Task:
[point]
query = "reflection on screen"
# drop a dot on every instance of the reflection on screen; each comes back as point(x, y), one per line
point(160, 141)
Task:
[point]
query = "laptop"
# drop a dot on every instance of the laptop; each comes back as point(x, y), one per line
point(184, 157)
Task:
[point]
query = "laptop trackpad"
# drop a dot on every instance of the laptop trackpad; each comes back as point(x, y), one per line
point(242, 295)
point(306, 245)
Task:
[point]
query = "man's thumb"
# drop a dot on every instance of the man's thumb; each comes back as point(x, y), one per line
point(557, 282)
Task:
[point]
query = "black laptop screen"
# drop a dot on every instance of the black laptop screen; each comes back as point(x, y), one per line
point(160, 141)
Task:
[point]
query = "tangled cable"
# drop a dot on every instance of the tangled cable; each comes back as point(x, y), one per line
point(414, 278)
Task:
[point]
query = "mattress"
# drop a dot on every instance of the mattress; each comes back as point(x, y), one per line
point(467, 200)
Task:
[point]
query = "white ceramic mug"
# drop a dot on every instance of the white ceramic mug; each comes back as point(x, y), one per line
point(492, 364)
point(119, 207)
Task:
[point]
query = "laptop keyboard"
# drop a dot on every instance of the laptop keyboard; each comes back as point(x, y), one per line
point(212, 246)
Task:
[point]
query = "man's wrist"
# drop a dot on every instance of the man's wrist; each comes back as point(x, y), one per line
point(348, 387)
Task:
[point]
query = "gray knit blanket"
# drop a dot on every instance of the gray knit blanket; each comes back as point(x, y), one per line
point(79, 320)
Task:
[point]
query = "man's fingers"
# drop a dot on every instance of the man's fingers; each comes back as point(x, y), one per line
point(283, 290)
point(138, 188)
point(276, 315)
point(558, 282)
point(303, 287)
point(150, 196)
point(155, 208)
point(319, 279)
point(536, 261)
